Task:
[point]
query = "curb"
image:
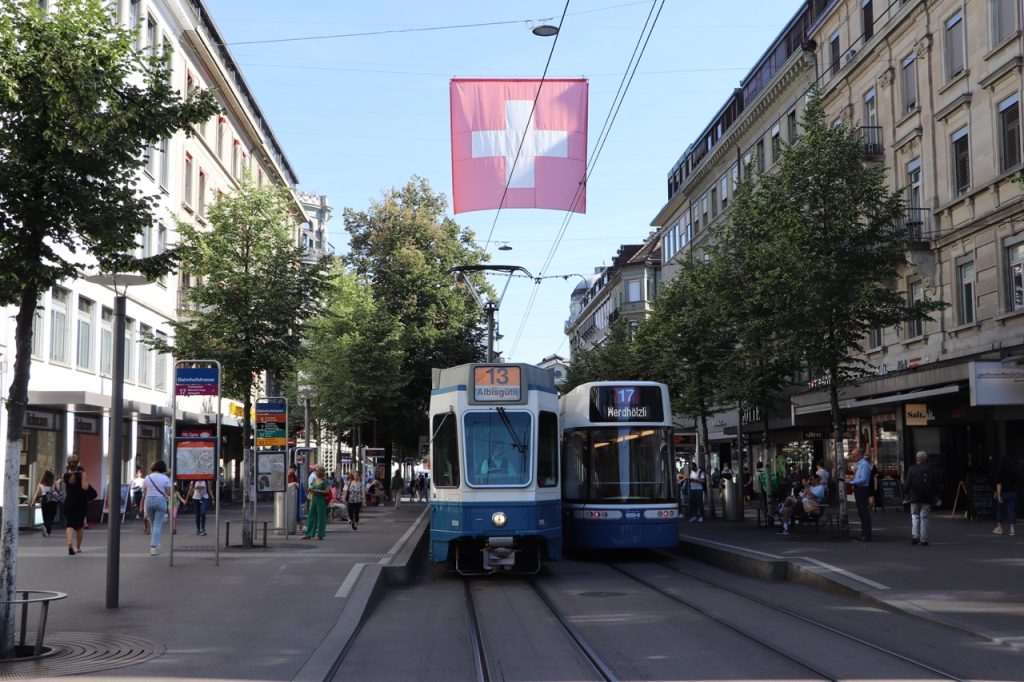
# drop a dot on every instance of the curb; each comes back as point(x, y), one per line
point(370, 586)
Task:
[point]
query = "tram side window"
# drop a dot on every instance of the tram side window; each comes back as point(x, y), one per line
point(577, 458)
point(547, 450)
point(445, 466)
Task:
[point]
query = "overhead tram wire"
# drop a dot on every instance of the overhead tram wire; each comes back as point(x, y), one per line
point(614, 109)
point(522, 140)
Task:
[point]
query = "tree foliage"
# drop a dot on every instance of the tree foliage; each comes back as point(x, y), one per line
point(253, 297)
point(615, 359)
point(404, 248)
point(78, 105)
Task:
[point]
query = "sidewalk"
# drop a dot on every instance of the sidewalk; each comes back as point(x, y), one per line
point(280, 613)
point(967, 578)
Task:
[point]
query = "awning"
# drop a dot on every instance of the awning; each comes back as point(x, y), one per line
point(865, 402)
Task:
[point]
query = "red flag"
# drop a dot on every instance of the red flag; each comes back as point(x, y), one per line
point(491, 122)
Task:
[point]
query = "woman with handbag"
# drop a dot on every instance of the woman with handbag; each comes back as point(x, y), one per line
point(49, 498)
point(158, 489)
point(74, 488)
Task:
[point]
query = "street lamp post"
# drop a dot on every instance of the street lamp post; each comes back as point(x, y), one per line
point(120, 284)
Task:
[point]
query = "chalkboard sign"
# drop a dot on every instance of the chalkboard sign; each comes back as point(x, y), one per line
point(981, 490)
point(892, 492)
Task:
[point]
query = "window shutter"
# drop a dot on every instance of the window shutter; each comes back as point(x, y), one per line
point(961, 165)
point(1009, 148)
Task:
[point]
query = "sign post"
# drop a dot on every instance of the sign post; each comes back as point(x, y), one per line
point(196, 455)
point(271, 434)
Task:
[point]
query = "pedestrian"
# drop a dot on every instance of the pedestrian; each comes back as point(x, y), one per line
point(199, 492)
point(698, 481)
point(354, 499)
point(136, 490)
point(316, 519)
point(747, 483)
point(922, 492)
point(683, 492)
point(74, 487)
point(1005, 495)
point(158, 490)
point(862, 492)
point(876, 486)
point(49, 498)
point(397, 483)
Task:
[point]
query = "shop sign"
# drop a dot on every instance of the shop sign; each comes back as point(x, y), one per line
point(993, 383)
point(40, 420)
point(816, 435)
point(916, 414)
point(149, 432)
point(87, 425)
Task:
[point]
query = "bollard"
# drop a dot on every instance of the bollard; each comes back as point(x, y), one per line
point(733, 503)
point(291, 507)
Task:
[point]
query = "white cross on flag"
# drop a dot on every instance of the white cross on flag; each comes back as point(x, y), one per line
point(491, 125)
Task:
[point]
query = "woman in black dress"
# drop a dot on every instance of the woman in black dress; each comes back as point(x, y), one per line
point(75, 484)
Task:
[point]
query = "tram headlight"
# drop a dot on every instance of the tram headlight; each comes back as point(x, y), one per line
point(499, 519)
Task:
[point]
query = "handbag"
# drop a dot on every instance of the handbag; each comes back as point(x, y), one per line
point(90, 494)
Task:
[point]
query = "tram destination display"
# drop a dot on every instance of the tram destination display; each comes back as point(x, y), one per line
point(622, 403)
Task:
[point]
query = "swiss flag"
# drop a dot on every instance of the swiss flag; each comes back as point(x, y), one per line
point(491, 119)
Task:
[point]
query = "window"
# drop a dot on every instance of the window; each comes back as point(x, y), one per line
point(695, 213)
point(85, 325)
point(965, 285)
point(875, 338)
point(833, 44)
point(908, 82)
point(145, 249)
point(759, 149)
point(152, 160)
point(59, 297)
point(914, 184)
point(687, 233)
point(165, 167)
point(151, 42)
point(1015, 263)
point(221, 126)
point(915, 294)
point(190, 84)
point(37, 331)
point(133, 21)
point(129, 349)
point(633, 291)
point(1009, 133)
point(791, 126)
point(160, 366)
point(201, 199)
point(704, 209)
point(953, 47)
point(161, 246)
point(867, 15)
point(548, 437)
point(186, 195)
point(714, 202)
point(1003, 20)
point(961, 157)
point(235, 153)
point(145, 379)
point(870, 109)
point(497, 448)
point(106, 341)
point(776, 142)
point(725, 191)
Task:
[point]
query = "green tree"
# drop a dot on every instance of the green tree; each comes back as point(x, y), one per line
point(404, 247)
point(613, 360)
point(78, 106)
point(253, 300)
point(353, 357)
point(686, 341)
point(838, 239)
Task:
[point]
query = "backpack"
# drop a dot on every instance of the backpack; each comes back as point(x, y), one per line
point(923, 487)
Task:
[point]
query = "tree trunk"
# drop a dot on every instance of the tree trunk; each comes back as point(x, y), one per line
point(705, 442)
point(838, 461)
point(248, 514)
point(17, 403)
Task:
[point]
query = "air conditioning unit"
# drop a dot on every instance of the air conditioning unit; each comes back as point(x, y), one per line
point(850, 54)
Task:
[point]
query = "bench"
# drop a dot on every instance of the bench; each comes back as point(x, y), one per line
point(829, 515)
point(252, 532)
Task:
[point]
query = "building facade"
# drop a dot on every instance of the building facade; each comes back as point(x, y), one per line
point(70, 386)
point(934, 89)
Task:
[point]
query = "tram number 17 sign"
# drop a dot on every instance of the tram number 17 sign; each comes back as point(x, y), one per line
point(497, 383)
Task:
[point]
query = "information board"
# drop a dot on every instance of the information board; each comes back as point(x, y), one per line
point(195, 459)
point(270, 471)
point(272, 423)
point(892, 492)
point(980, 491)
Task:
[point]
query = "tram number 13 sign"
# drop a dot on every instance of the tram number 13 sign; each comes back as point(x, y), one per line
point(497, 384)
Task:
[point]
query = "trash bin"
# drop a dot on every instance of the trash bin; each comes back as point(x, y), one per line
point(291, 507)
point(733, 501)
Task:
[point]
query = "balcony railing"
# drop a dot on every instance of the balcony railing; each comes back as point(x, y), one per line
point(871, 140)
point(917, 223)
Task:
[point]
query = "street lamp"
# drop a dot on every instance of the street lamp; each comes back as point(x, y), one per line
point(119, 283)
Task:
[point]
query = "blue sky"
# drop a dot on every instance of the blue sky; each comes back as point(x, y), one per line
point(359, 115)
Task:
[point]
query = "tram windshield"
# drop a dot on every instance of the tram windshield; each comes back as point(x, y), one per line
point(626, 464)
point(498, 447)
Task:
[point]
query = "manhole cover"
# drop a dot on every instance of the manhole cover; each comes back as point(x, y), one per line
point(602, 594)
point(73, 653)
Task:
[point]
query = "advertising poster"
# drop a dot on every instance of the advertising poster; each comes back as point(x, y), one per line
point(270, 471)
point(195, 458)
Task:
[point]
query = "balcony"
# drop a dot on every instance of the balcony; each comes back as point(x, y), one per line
point(870, 141)
point(917, 222)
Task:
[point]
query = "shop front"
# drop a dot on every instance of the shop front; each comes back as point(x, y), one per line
point(41, 449)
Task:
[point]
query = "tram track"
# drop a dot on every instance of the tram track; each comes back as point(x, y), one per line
point(485, 667)
point(759, 639)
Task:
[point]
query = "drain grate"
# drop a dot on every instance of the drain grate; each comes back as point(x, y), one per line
point(73, 653)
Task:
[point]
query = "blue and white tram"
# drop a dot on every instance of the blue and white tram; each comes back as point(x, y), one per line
point(618, 488)
point(494, 494)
